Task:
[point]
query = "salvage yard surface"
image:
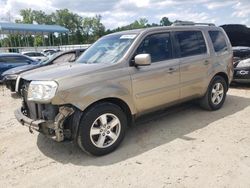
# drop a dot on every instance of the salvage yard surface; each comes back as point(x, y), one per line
point(187, 147)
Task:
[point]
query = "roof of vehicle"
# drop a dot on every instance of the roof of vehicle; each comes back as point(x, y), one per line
point(30, 52)
point(161, 28)
point(11, 54)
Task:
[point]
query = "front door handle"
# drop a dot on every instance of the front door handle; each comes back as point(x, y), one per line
point(206, 62)
point(171, 70)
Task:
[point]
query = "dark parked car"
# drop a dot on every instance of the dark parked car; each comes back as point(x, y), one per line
point(11, 75)
point(12, 60)
point(241, 64)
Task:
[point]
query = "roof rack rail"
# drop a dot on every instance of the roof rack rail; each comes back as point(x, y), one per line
point(187, 23)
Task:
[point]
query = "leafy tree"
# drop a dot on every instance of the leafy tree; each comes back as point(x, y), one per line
point(27, 16)
point(40, 17)
point(92, 28)
point(81, 29)
point(165, 22)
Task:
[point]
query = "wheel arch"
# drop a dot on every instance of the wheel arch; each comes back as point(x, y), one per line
point(223, 75)
point(76, 118)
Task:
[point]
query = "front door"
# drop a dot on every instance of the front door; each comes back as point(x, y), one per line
point(157, 84)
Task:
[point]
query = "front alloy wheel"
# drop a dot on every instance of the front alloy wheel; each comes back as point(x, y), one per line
point(102, 128)
point(105, 130)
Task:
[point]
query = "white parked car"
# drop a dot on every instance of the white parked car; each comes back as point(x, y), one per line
point(36, 56)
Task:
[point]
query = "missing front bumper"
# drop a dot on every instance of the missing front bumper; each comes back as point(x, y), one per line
point(55, 129)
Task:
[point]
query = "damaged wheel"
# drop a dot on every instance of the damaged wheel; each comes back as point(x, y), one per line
point(102, 129)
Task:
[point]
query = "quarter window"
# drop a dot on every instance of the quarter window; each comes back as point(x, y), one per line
point(158, 46)
point(190, 43)
point(218, 41)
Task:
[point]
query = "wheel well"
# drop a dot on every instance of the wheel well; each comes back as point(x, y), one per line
point(119, 102)
point(224, 75)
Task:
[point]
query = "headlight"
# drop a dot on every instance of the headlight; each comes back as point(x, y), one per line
point(244, 63)
point(42, 91)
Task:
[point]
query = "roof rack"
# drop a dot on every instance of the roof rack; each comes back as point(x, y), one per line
point(188, 23)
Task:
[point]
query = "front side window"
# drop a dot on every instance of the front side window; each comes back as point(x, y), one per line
point(158, 46)
point(108, 49)
point(218, 41)
point(190, 43)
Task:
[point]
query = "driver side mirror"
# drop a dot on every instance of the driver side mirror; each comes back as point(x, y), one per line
point(142, 59)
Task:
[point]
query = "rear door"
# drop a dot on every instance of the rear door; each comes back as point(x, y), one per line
point(194, 62)
point(157, 84)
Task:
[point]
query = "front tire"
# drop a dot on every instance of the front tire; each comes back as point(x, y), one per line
point(215, 95)
point(102, 129)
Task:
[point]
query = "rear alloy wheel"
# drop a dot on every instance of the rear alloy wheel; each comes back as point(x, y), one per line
point(102, 129)
point(215, 95)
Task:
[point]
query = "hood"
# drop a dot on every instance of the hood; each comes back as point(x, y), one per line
point(62, 71)
point(21, 69)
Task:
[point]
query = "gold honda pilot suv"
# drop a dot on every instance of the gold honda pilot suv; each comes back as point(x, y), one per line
point(123, 76)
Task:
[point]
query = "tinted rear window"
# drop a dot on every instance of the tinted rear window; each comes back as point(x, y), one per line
point(191, 43)
point(218, 41)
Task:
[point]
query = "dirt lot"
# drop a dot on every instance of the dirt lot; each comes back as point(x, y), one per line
point(185, 148)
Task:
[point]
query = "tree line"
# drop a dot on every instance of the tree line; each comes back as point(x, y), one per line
point(82, 30)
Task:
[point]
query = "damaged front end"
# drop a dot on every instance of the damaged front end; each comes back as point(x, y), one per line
point(55, 129)
point(52, 120)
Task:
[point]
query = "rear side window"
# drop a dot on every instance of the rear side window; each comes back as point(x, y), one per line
point(191, 43)
point(218, 41)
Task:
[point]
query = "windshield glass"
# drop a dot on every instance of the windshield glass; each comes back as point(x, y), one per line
point(108, 49)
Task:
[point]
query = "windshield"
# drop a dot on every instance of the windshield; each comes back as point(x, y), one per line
point(108, 49)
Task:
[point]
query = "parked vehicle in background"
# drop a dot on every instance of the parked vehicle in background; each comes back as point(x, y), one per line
point(50, 52)
point(241, 52)
point(241, 64)
point(36, 56)
point(123, 76)
point(12, 60)
point(11, 75)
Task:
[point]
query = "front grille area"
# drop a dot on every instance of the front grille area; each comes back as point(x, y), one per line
point(35, 110)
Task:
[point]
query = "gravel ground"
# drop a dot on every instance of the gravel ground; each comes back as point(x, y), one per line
point(181, 147)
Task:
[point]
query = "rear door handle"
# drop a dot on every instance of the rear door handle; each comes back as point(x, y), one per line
point(206, 62)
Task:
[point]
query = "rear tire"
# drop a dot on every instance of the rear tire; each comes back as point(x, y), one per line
point(215, 95)
point(102, 129)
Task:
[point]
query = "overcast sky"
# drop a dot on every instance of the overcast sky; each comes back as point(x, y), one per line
point(121, 12)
